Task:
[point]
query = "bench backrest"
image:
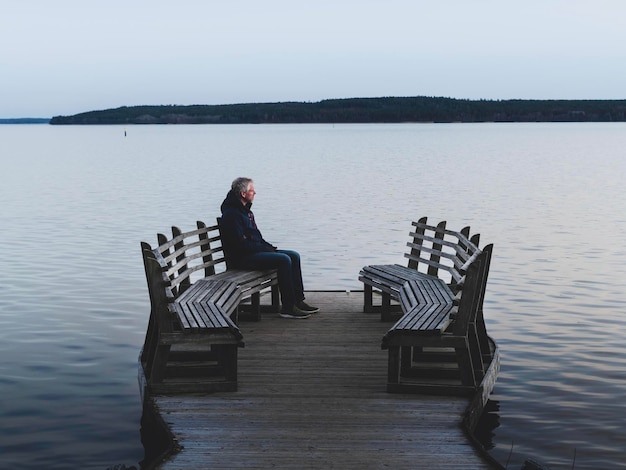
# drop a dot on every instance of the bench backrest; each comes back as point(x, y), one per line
point(187, 253)
point(440, 252)
point(470, 298)
point(161, 295)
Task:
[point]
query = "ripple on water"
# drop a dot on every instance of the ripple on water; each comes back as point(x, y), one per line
point(70, 336)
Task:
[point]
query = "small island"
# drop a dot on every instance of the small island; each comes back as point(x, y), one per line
point(361, 110)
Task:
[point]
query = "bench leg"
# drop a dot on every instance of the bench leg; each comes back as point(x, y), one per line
point(367, 299)
point(231, 365)
point(417, 351)
point(405, 359)
point(159, 363)
point(275, 298)
point(256, 306)
point(387, 312)
point(393, 366)
point(477, 357)
point(227, 361)
point(386, 301)
point(466, 368)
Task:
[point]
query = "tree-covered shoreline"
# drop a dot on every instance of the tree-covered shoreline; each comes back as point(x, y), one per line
point(361, 110)
point(25, 121)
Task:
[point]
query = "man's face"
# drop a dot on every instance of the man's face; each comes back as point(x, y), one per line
point(248, 196)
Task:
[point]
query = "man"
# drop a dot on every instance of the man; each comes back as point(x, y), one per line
point(245, 248)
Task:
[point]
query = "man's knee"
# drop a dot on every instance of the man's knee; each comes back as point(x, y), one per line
point(283, 258)
point(294, 256)
point(277, 260)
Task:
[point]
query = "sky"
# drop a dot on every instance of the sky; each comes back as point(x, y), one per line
point(65, 57)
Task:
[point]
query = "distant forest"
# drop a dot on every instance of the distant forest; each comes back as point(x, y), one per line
point(25, 121)
point(362, 110)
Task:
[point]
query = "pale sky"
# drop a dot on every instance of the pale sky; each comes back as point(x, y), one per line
point(62, 57)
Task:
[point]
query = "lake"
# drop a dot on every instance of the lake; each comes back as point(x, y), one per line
point(76, 201)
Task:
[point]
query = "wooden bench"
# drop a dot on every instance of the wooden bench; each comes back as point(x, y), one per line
point(192, 339)
point(191, 343)
point(199, 254)
point(435, 252)
point(438, 346)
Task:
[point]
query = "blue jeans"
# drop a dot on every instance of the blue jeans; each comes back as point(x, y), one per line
point(289, 273)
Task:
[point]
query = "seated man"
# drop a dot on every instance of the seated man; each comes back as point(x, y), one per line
point(245, 248)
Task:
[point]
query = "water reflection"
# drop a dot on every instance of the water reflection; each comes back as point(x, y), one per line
point(155, 438)
point(488, 423)
point(76, 201)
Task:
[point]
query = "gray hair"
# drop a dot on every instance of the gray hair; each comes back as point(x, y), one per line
point(240, 185)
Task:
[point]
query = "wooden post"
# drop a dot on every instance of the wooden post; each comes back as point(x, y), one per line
point(416, 251)
point(178, 246)
point(209, 270)
point(439, 234)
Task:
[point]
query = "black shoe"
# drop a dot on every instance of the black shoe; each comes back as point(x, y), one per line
point(302, 305)
point(295, 312)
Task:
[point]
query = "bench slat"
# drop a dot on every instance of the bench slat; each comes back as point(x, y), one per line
point(187, 317)
point(433, 291)
point(200, 308)
point(185, 235)
point(457, 248)
point(249, 281)
point(425, 319)
point(453, 270)
point(390, 277)
point(204, 316)
point(410, 297)
point(463, 239)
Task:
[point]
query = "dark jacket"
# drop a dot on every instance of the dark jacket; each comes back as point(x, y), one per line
point(240, 235)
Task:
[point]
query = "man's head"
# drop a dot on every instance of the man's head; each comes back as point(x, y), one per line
point(244, 188)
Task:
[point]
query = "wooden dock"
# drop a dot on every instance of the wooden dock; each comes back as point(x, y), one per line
point(312, 394)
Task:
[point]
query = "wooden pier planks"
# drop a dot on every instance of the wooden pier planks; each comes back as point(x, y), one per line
point(312, 394)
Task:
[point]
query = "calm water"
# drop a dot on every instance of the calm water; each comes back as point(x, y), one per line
point(76, 201)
